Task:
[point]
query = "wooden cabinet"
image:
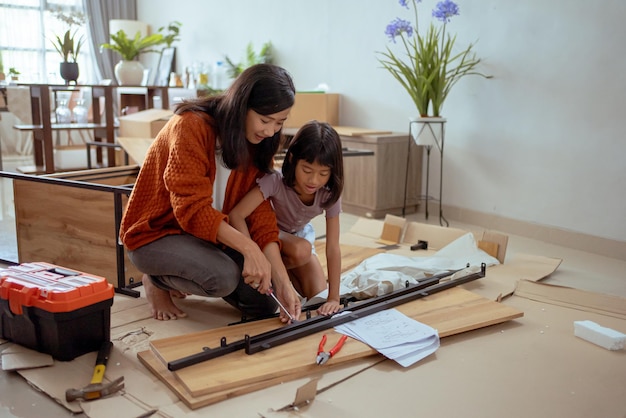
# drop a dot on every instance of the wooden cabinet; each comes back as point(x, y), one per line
point(72, 219)
point(375, 185)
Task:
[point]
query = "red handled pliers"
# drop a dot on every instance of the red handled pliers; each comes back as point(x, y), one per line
point(324, 356)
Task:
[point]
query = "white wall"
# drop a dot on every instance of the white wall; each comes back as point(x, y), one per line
point(541, 142)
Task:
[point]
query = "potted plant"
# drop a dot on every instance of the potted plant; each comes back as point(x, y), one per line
point(13, 74)
point(67, 45)
point(129, 71)
point(173, 35)
point(263, 57)
point(431, 67)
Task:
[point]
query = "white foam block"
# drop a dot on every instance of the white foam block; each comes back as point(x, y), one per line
point(599, 335)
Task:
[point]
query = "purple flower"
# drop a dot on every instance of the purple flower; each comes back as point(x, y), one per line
point(396, 27)
point(445, 9)
point(405, 3)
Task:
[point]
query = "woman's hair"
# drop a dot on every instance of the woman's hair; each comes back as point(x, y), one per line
point(264, 88)
point(316, 142)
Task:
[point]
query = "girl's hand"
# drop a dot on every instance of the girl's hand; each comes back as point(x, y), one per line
point(329, 308)
point(291, 301)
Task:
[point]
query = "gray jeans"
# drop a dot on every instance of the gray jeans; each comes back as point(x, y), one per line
point(191, 265)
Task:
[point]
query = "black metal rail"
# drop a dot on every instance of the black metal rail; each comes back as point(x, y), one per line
point(273, 338)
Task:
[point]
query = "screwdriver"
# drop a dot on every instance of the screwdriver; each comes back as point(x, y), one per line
point(271, 291)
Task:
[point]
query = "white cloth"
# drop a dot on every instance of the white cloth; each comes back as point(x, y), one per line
point(384, 273)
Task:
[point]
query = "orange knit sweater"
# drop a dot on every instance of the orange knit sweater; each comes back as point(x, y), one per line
point(173, 192)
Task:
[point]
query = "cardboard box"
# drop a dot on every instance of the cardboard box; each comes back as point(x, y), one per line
point(55, 310)
point(144, 124)
point(135, 147)
point(323, 107)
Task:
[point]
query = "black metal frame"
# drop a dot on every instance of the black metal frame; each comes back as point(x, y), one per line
point(427, 197)
point(118, 192)
point(273, 338)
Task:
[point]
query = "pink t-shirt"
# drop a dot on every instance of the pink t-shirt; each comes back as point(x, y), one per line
point(292, 215)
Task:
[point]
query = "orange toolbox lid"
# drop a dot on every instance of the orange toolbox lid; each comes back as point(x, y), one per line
point(51, 288)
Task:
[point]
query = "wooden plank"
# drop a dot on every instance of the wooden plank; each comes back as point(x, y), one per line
point(159, 369)
point(355, 131)
point(69, 226)
point(450, 312)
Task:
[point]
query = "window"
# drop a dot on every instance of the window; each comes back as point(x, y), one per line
point(26, 40)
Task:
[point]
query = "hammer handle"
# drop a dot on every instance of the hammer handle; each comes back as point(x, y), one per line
point(101, 362)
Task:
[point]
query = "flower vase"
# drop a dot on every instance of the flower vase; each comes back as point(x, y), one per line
point(428, 131)
point(80, 112)
point(129, 73)
point(69, 72)
point(63, 112)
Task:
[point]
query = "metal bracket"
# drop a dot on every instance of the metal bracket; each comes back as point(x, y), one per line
point(273, 338)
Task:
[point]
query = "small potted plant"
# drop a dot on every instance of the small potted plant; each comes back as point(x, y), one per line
point(129, 71)
point(14, 74)
point(67, 45)
point(173, 35)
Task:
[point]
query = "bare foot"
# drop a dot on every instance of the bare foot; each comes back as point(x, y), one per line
point(160, 301)
point(178, 294)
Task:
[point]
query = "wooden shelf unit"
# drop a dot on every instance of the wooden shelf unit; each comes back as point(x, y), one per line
point(103, 125)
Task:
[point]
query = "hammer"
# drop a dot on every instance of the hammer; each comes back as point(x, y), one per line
point(96, 389)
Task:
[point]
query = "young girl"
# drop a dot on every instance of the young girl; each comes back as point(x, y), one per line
point(311, 183)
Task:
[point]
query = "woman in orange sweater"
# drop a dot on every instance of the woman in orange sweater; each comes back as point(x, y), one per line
point(175, 228)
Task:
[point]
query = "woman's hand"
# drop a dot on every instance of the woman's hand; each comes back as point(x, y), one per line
point(329, 308)
point(257, 270)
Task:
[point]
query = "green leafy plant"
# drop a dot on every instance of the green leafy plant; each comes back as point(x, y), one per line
point(431, 67)
point(263, 57)
point(173, 34)
point(13, 73)
point(67, 45)
point(130, 48)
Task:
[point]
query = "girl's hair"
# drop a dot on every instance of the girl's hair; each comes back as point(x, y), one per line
point(316, 142)
point(264, 88)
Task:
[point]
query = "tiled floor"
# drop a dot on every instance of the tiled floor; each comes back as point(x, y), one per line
point(579, 269)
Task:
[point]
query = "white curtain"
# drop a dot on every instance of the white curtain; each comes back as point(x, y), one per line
point(100, 12)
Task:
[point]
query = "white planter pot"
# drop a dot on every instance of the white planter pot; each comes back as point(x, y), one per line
point(129, 73)
point(428, 131)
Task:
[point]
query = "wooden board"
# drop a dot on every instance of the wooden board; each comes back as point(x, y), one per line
point(354, 131)
point(450, 312)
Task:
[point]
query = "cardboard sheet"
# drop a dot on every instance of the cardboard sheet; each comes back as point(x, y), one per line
point(133, 332)
point(572, 298)
point(16, 357)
